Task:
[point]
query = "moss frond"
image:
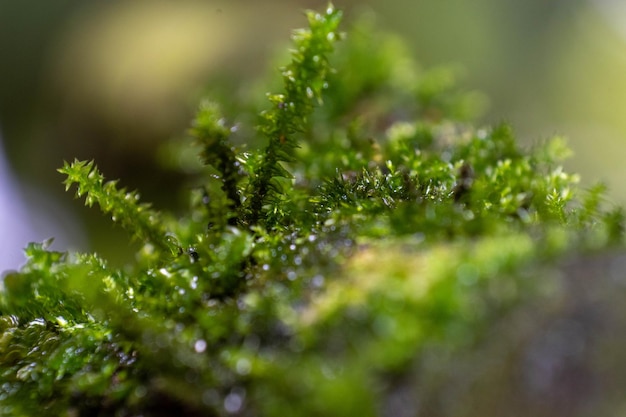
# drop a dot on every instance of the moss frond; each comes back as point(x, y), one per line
point(304, 80)
point(124, 207)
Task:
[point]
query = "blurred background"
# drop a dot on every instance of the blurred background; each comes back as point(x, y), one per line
point(111, 81)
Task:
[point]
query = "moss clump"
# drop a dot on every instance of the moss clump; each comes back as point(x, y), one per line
point(346, 267)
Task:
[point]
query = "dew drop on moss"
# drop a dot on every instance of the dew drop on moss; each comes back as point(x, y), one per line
point(243, 366)
point(234, 401)
point(200, 345)
point(318, 281)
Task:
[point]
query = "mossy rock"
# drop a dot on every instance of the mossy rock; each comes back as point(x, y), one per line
point(368, 251)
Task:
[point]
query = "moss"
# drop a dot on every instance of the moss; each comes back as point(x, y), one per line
point(375, 239)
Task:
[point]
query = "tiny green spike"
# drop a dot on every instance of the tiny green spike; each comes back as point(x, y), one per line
point(137, 218)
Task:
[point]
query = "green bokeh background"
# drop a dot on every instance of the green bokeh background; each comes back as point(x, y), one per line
point(113, 81)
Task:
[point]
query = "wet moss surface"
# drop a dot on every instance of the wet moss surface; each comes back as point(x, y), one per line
point(367, 251)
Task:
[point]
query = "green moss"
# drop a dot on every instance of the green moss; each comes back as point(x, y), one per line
point(316, 275)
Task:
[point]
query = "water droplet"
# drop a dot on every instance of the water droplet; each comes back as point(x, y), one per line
point(233, 402)
point(243, 366)
point(194, 283)
point(266, 267)
point(140, 391)
point(318, 281)
point(200, 345)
